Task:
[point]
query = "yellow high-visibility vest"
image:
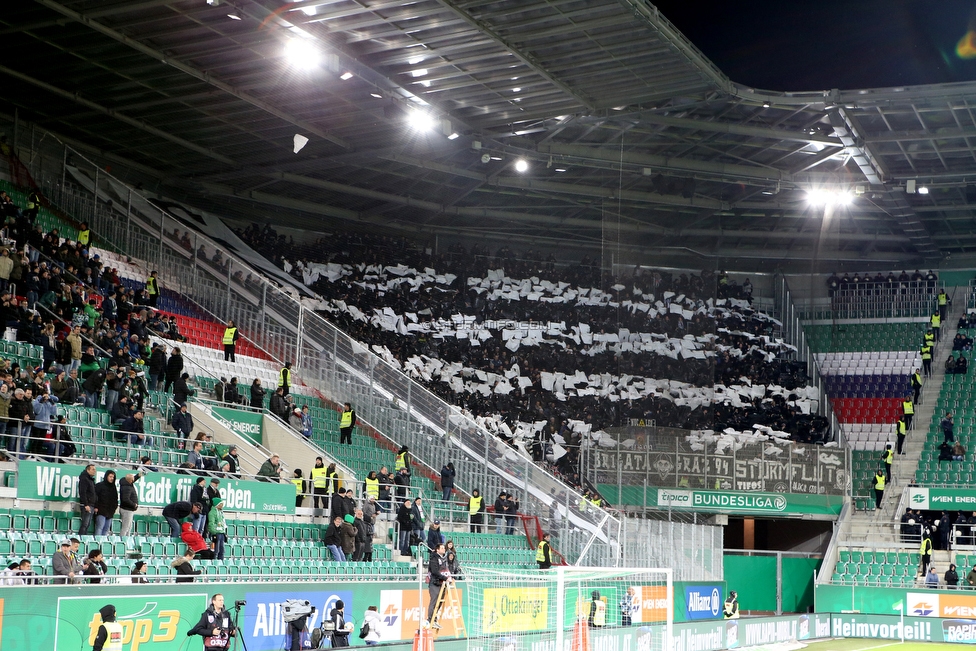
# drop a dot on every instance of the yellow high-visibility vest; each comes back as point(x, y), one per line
point(229, 336)
point(926, 352)
point(908, 407)
point(319, 477)
point(115, 635)
point(889, 457)
point(346, 419)
point(926, 548)
point(373, 487)
point(943, 298)
point(901, 427)
point(879, 482)
point(151, 287)
point(84, 236)
point(474, 504)
point(284, 377)
point(401, 461)
point(936, 321)
point(600, 616)
point(540, 552)
point(298, 485)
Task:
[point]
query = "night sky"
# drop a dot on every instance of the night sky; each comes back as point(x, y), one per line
point(803, 45)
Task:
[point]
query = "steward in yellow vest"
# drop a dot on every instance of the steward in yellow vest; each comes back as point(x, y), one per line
point(476, 511)
point(879, 486)
point(543, 553)
point(402, 459)
point(902, 430)
point(109, 635)
point(84, 234)
point(230, 341)
point(284, 377)
point(301, 487)
point(371, 485)
point(598, 610)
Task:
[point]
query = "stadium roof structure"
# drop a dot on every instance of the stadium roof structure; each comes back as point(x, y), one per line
point(633, 139)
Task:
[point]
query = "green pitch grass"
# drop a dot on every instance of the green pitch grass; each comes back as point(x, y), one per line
point(888, 645)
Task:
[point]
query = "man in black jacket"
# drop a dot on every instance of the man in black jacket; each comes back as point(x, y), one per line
point(86, 498)
point(20, 413)
point(215, 626)
point(183, 422)
point(439, 576)
point(257, 394)
point(402, 483)
point(333, 540)
point(182, 390)
point(404, 518)
point(128, 501)
point(179, 511)
point(157, 366)
point(174, 368)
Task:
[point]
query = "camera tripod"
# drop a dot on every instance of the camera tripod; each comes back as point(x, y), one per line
point(237, 628)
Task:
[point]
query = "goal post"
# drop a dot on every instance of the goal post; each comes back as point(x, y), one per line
point(568, 608)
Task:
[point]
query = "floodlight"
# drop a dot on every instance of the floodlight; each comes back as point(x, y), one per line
point(420, 121)
point(923, 190)
point(234, 15)
point(453, 136)
point(346, 76)
point(302, 53)
point(521, 165)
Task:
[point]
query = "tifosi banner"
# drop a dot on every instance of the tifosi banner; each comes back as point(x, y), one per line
point(57, 482)
point(248, 424)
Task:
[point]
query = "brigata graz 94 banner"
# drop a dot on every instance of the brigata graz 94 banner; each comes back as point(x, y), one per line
point(57, 482)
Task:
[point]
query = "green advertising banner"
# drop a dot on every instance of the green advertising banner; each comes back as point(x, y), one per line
point(58, 482)
point(249, 424)
point(744, 503)
point(157, 618)
point(941, 498)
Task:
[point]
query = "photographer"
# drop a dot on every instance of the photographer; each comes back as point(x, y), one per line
point(215, 625)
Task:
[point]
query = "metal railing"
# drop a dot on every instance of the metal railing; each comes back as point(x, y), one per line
point(325, 357)
point(115, 444)
point(277, 321)
point(794, 335)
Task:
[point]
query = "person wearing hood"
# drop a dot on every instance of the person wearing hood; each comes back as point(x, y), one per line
point(184, 570)
point(195, 542)
point(447, 481)
point(951, 577)
point(217, 527)
point(109, 635)
point(106, 503)
point(374, 624)
point(215, 626)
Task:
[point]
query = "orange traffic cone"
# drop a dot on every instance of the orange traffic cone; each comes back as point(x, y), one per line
point(581, 635)
point(423, 640)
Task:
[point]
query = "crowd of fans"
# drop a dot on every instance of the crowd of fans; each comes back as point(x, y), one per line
point(373, 291)
point(879, 282)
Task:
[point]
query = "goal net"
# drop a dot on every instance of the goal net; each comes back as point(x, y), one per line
point(567, 609)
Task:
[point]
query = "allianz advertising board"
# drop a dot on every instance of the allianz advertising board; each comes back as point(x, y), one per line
point(703, 601)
